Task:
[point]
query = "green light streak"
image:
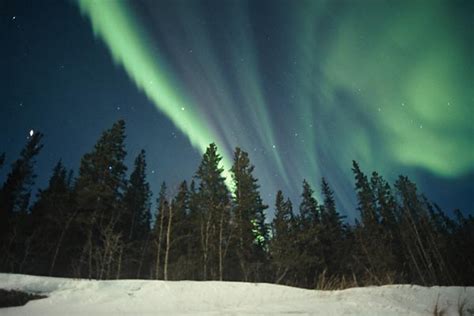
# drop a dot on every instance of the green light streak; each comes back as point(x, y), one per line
point(212, 83)
point(128, 44)
point(249, 82)
point(385, 84)
point(305, 87)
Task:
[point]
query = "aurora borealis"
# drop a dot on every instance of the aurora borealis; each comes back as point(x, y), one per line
point(304, 86)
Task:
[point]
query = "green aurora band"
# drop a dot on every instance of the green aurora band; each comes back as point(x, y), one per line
point(127, 42)
point(413, 80)
point(388, 84)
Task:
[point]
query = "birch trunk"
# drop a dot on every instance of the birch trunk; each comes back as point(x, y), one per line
point(168, 242)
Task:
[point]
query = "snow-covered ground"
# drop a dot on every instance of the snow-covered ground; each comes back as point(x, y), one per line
point(140, 297)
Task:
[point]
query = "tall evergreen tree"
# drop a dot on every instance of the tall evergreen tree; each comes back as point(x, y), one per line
point(310, 256)
point(388, 236)
point(309, 210)
point(52, 217)
point(417, 234)
point(15, 192)
point(180, 259)
point(136, 217)
point(365, 197)
point(368, 235)
point(135, 220)
point(14, 200)
point(249, 218)
point(330, 216)
point(331, 233)
point(214, 214)
point(100, 187)
point(281, 244)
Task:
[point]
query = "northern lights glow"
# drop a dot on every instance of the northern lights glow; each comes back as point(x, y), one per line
point(112, 22)
point(385, 84)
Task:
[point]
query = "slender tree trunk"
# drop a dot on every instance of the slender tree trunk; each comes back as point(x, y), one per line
point(60, 241)
point(132, 227)
point(56, 250)
point(420, 248)
point(282, 275)
point(142, 257)
point(158, 245)
point(89, 248)
point(113, 242)
point(168, 242)
point(416, 265)
point(26, 251)
point(221, 232)
point(229, 237)
point(205, 232)
point(119, 267)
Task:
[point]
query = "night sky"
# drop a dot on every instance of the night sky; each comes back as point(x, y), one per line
point(304, 86)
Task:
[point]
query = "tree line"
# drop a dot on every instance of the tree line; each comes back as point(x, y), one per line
point(99, 224)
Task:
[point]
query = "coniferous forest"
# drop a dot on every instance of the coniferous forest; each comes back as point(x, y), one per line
point(98, 223)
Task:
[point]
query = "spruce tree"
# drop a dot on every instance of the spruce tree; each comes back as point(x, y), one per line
point(180, 260)
point(100, 188)
point(309, 210)
point(368, 234)
point(135, 220)
point(388, 248)
point(214, 214)
point(281, 244)
point(417, 232)
point(52, 216)
point(15, 192)
point(249, 218)
point(330, 216)
point(310, 256)
point(365, 197)
point(331, 233)
point(14, 200)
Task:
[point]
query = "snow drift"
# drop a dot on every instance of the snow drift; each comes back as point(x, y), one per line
point(144, 297)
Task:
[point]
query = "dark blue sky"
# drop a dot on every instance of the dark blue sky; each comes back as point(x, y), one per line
point(256, 80)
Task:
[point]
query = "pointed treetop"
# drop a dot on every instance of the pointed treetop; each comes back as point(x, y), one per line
point(309, 205)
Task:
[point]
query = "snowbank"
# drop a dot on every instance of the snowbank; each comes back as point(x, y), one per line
point(143, 297)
